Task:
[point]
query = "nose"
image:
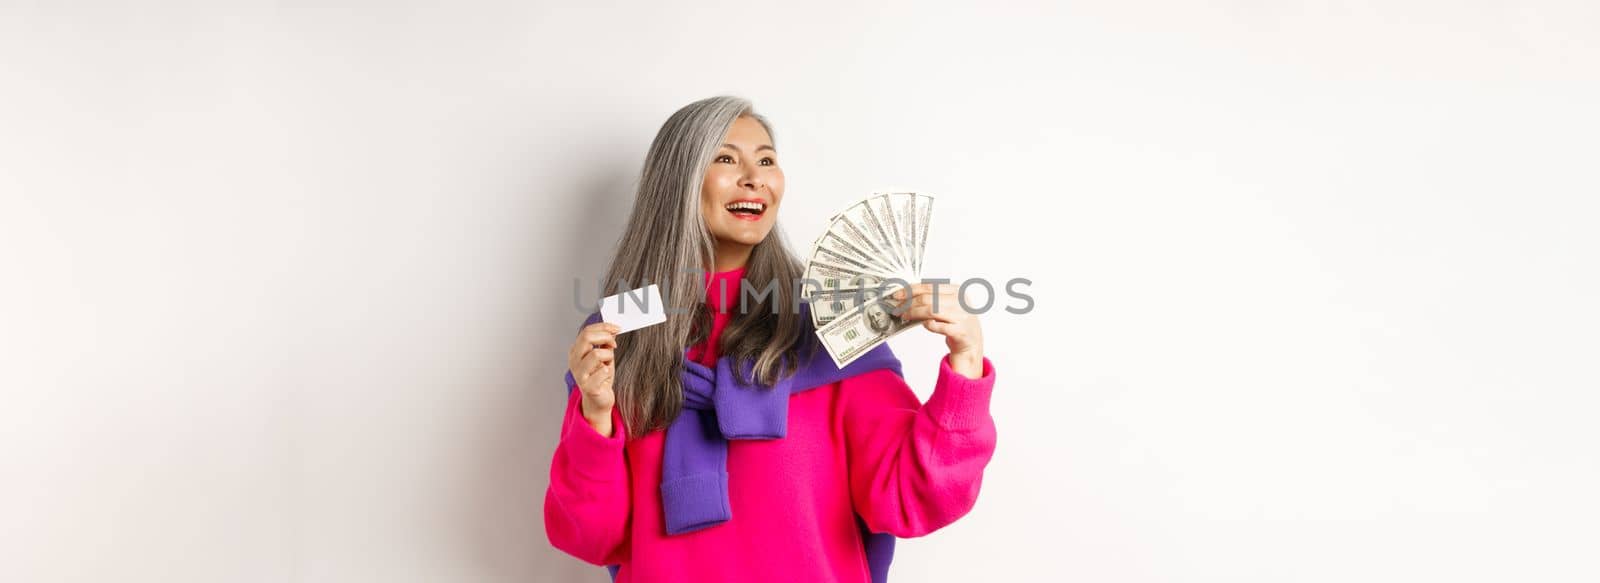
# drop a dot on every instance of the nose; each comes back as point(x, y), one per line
point(752, 178)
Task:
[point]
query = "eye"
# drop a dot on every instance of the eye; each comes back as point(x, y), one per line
point(769, 161)
point(721, 157)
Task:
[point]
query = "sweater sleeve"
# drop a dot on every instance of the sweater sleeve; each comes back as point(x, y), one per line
point(587, 506)
point(915, 468)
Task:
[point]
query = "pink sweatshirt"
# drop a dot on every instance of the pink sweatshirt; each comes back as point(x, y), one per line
point(863, 445)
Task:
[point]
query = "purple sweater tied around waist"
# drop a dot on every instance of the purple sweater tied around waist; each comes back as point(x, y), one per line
point(718, 405)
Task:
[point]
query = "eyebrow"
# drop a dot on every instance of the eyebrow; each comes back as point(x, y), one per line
point(758, 148)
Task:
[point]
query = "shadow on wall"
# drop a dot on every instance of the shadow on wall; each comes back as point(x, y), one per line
point(505, 519)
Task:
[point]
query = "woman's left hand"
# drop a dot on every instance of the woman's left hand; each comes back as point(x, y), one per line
point(960, 328)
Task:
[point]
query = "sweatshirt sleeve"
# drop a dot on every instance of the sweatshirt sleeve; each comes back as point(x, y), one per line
point(587, 506)
point(914, 467)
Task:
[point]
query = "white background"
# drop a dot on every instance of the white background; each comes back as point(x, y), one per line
point(286, 285)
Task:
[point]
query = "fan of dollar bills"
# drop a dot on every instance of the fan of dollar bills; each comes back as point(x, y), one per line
point(872, 248)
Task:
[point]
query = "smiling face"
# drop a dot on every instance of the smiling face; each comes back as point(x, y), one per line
point(741, 192)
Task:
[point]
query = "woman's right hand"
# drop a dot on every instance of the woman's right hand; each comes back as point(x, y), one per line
point(592, 362)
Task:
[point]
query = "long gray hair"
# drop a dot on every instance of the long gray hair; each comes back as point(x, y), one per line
point(667, 242)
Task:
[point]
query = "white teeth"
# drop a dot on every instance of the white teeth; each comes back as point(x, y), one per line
point(754, 206)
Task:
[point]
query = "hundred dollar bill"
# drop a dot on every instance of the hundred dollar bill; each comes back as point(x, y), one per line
point(904, 205)
point(920, 216)
point(850, 231)
point(831, 276)
point(831, 250)
point(852, 333)
point(891, 217)
point(828, 305)
point(864, 219)
point(875, 243)
point(845, 249)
